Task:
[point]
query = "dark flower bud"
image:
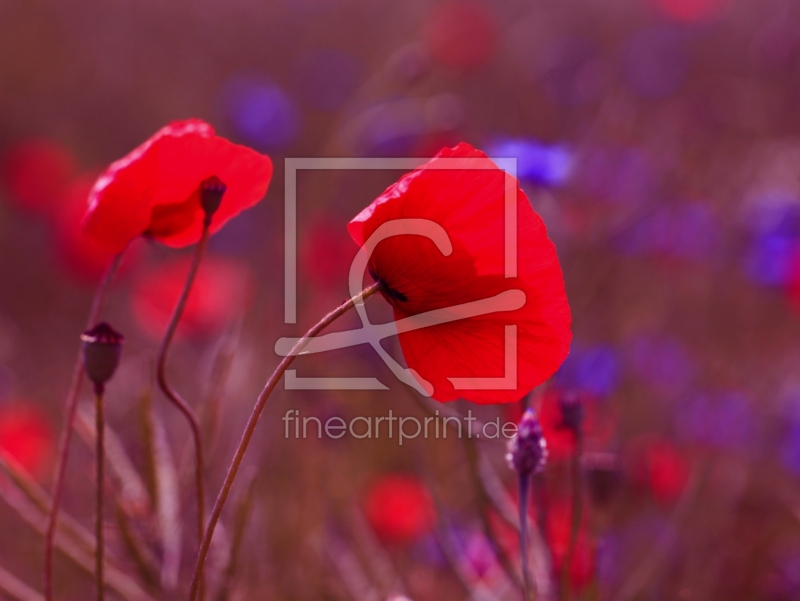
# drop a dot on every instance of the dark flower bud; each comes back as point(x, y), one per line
point(571, 405)
point(527, 451)
point(102, 347)
point(211, 192)
point(603, 476)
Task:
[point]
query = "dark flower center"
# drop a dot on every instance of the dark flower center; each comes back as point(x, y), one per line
point(387, 289)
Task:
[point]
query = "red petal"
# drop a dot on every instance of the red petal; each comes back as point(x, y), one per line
point(469, 204)
point(152, 189)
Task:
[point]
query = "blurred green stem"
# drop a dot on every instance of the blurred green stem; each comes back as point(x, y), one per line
point(98, 551)
point(577, 516)
point(66, 434)
point(253, 421)
point(524, 544)
point(174, 397)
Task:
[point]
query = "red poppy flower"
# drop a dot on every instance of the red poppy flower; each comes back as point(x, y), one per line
point(82, 258)
point(34, 172)
point(399, 509)
point(467, 203)
point(222, 288)
point(26, 437)
point(659, 467)
point(155, 189)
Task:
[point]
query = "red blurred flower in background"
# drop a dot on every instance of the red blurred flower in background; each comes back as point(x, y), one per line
point(658, 466)
point(597, 430)
point(80, 255)
point(399, 508)
point(326, 253)
point(26, 437)
point(469, 204)
point(223, 289)
point(461, 35)
point(559, 531)
point(154, 190)
point(34, 171)
point(692, 10)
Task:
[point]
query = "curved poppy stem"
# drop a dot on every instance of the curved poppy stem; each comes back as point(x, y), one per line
point(577, 511)
point(172, 394)
point(100, 444)
point(241, 449)
point(66, 434)
point(524, 496)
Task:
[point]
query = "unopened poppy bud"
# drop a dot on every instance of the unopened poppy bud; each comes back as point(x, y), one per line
point(527, 451)
point(211, 192)
point(571, 405)
point(102, 347)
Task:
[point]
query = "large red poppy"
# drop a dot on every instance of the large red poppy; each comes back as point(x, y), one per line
point(155, 189)
point(468, 203)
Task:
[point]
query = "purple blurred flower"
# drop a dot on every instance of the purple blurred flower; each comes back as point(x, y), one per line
point(572, 71)
point(261, 112)
point(545, 164)
point(661, 361)
point(593, 369)
point(723, 420)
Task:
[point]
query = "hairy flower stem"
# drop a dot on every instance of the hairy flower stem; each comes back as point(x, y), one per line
point(241, 449)
point(66, 434)
point(577, 515)
point(524, 544)
point(100, 445)
point(172, 394)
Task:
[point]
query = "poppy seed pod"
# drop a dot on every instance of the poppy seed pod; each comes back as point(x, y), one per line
point(102, 346)
point(211, 192)
point(571, 405)
point(527, 451)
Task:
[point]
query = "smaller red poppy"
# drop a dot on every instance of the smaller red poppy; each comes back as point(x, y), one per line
point(658, 466)
point(26, 437)
point(399, 508)
point(222, 288)
point(34, 171)
point(155, 189)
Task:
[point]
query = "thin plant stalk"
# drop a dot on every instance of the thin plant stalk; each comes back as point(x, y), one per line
point(253, 421)
point(524, 544)
point(577, 516)
point(66, 434)
point(99, 545)
point(172, 394)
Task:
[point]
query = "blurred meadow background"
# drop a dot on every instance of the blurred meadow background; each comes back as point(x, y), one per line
point(659, 140)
